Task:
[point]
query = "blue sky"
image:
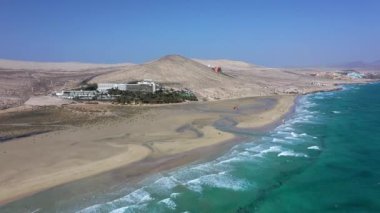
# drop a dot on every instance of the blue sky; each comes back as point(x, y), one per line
point(266, 32)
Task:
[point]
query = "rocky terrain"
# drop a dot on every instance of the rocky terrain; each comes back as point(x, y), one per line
point(20, 80)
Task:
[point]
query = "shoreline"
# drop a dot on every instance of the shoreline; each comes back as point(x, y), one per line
point(163, 151)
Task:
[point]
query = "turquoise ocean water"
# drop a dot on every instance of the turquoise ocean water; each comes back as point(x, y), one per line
point(324, 158)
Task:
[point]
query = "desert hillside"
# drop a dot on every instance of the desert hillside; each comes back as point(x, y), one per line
point(228, 64)
point(238, 79)
point(177, 72)
point(361, 65)
point(53, 66)
point(19, 80)
point(170, 70)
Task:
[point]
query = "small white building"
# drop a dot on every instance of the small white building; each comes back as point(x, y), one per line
point(150, 83)
point(80, 94)
point(355, 75)
point(104, 87)
point(146, 85)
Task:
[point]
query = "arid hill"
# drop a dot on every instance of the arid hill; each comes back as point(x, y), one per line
point(228, 64)
point(169, 70)
point(361, 65)
point(54, 66)
point(180, 72)
point(20, 80)
point(238, 79)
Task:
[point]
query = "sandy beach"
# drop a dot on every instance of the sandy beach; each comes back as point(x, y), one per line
point(127, 135)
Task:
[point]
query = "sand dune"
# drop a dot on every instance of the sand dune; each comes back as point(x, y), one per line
point(239, 79)
point(19, 80)
point(171, 69)
point(178, 72)
point(57, 66)
point(228, 64)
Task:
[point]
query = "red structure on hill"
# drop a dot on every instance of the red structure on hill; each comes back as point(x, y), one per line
point(217, 69)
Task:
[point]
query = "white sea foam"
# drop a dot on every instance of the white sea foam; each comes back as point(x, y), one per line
point(133, 199)
point(174, 195)
point(256, 148)
point(245, 154)
point(187, 173)
point(272, 149)
point(289, 128)
point(126, 209)
point(120, 210)
point(127, 203)
point(276, 140)
point(218, 181)
point(168, 202)
point(229, 160)
point(302, 121)
point(290, 153)
point(336, 112)
point(292, 138)
point(203, 167)
point(314, 147)
point(137, 196)
point(295, 135)
point(164, 184)
point(194, 185)
point(107, 207)
point(92, 208)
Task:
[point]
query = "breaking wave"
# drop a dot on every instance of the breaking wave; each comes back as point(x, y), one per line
point(292, 154)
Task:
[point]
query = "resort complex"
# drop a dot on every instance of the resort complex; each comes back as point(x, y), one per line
point(137, 92)
point(101, 91)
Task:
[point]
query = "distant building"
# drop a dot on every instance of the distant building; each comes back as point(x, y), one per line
point(355, 75)
point(146, 85)
point(78, 94)
point(216, 69)
point(101, 93)
point(104, 87)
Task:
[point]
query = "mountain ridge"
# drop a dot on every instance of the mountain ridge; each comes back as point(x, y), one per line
point(56, 66)
point(375, 65)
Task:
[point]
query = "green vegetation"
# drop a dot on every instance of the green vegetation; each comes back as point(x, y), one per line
point(159, 97)
point(93, 86)
point(87, 86)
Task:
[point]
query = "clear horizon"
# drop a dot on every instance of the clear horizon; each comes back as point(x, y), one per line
point(270, 33)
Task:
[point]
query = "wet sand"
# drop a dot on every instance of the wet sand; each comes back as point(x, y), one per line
point(120, 150)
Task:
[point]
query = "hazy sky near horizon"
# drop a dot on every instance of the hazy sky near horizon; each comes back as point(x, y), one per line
point(265, 32)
